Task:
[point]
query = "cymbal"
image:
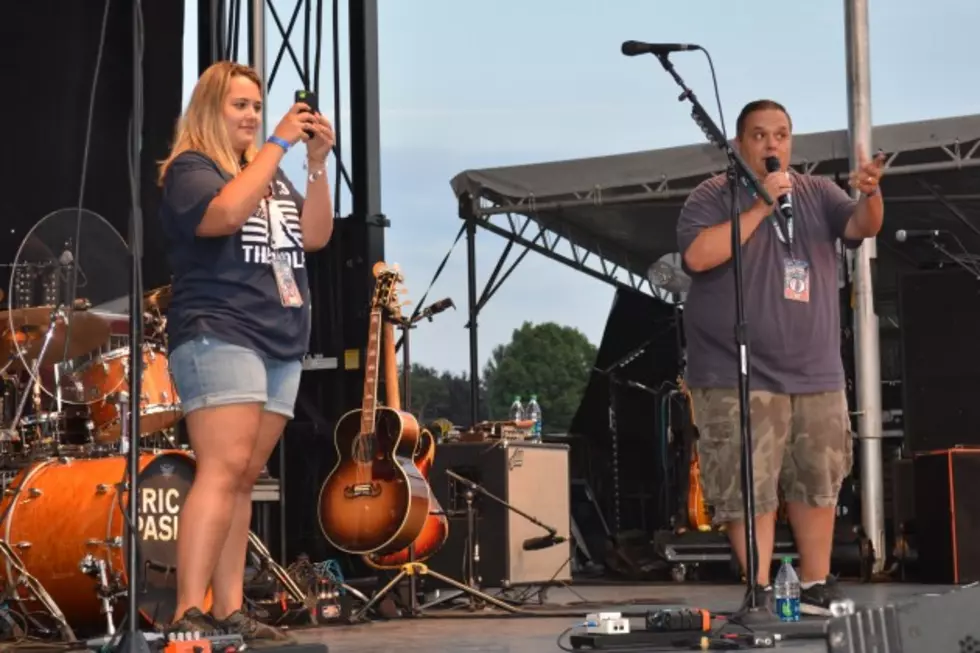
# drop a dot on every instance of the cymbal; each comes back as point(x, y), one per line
point(158, 298)
point(30, 326)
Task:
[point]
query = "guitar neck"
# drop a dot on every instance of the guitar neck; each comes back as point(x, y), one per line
point(370, 401)
point(392, 397)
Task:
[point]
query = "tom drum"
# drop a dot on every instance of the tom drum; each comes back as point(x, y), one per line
point(103, 378)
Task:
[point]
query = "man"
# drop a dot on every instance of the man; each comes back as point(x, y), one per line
point(800, 424)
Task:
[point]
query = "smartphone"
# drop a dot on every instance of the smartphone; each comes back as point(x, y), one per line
point(309, 98)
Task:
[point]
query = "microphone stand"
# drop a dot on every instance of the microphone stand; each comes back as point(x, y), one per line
point(406, 324)
point(612, 381)
point(738, 172)
point(962, 261)
point(133, 640)
point(479, 489)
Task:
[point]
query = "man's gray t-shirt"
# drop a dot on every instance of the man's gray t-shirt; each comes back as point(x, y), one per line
point(794, 346)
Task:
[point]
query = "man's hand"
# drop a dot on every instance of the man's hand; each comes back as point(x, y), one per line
point(776, 184)
point(868, 174)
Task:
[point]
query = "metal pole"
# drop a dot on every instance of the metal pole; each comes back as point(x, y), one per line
point(474, 315)
point(257, 54)
point(866, 348)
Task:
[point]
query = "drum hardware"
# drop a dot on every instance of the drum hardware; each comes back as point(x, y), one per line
point(78, 332)
point(35, 386)
point(24, 578)
point(259, 551)
point(96, 568)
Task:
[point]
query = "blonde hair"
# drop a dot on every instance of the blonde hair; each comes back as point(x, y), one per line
point(202, 127)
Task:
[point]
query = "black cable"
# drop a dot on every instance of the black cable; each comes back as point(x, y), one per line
point(318, 47)
point(714, 81)
point(306, 44)
point(73, 282)
point(338, 150)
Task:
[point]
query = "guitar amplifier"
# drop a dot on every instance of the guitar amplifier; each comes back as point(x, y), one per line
point(532, 478)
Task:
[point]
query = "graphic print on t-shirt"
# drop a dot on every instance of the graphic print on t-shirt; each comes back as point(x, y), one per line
point(277, 235)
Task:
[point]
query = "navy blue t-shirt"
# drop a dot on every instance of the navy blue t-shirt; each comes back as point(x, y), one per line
point(225, 286)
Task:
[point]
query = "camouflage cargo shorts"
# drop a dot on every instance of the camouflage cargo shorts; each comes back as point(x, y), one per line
point(801, 445)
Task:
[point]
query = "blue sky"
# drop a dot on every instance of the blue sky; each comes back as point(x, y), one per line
point(470, 85)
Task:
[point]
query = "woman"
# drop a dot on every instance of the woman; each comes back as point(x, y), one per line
point(239, 320)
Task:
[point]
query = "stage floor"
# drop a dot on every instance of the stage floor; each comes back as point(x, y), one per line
point(458, 631)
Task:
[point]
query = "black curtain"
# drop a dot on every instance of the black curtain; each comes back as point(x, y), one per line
point(49, 52)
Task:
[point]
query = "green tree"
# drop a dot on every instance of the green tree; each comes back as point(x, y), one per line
point(442, 395)
point(547, 360)
point(429, 393)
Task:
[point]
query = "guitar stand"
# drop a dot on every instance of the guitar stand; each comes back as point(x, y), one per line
point(415, 569)
point(412, 569)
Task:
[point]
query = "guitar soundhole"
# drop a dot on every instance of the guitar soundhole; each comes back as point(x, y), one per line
point(364, 449)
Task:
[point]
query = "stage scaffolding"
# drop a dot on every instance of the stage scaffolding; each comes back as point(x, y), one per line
point(612, 217)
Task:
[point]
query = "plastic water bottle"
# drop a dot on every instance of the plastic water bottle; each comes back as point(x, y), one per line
point(533, 412)
point(787, 592)
point(517, 410)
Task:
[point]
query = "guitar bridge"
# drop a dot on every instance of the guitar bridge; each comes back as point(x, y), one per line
point(362, 490)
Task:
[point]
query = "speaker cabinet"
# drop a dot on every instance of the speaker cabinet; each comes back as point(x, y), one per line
point(947, 515)
point(532, 478)
point(939, 313)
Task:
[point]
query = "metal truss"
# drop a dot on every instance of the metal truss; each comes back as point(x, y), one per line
point(305, 20)
point(593, 259)
point(514, 220)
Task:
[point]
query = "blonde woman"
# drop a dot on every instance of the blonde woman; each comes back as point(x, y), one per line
point(239, 321)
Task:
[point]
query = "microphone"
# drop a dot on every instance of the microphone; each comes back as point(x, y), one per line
point(542, 542)
point(634, 48)
point(438, 307)
point(903, 235)
point(784, 201)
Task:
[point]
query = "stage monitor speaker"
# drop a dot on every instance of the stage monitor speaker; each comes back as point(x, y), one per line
point(947, 515)
point(926, 624)
point(533, 478)
point(939, 315)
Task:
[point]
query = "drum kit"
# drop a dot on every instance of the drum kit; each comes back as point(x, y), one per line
point(63, 445)
point(65, 402)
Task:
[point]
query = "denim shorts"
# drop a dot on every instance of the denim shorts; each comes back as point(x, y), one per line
point(209, 372)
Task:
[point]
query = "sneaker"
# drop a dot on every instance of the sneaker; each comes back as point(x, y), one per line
point(194, 621)
point(241, 623)
point(764, 607)
point(819, 599)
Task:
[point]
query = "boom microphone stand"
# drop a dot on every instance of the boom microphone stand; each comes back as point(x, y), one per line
point(133, 640)
point(406, 324)
point(738, 172)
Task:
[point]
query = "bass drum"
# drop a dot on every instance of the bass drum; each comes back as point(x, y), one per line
point(67, 509)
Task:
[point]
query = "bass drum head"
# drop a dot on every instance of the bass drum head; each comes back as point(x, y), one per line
point(163, 487)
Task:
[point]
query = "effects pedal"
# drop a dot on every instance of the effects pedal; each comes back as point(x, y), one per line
point(183, 643)
point(607, 623)
point(673, 621)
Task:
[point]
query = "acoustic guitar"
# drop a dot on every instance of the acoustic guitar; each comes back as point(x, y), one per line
point(375, 500)
point(436, 529)
point(698, 516)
